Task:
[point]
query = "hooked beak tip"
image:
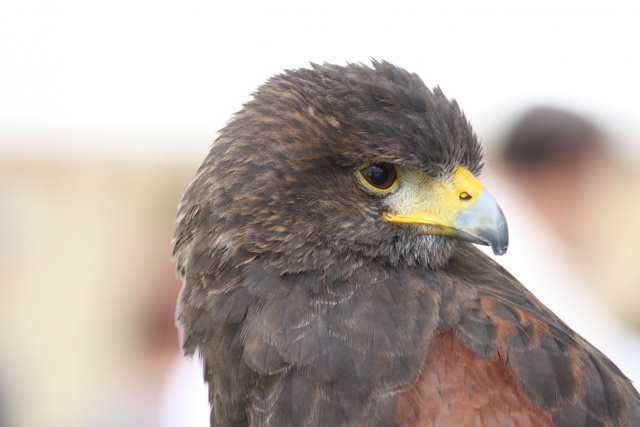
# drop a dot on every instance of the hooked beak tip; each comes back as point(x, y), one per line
point(484, 223)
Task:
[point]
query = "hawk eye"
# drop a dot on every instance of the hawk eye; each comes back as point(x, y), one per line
point(380, 176)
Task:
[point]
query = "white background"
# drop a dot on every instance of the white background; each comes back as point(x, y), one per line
point(172, 73)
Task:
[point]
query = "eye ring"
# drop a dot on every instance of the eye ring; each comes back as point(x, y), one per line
point(379, 177)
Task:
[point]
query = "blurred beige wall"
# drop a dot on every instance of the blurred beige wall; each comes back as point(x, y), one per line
point(84, 248)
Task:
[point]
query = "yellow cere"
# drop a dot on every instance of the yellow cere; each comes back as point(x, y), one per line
point(423, 200)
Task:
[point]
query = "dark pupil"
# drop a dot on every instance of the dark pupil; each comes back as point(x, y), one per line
point(378, 174)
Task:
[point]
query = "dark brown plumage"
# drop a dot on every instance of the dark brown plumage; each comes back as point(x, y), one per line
point(329, 279)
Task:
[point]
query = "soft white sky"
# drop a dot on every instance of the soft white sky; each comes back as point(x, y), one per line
point(173, 72)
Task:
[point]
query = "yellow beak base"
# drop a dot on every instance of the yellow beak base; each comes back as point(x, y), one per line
point(459, 207)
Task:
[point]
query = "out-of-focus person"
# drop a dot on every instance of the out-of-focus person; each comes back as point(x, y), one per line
point(551, 170)
point(139, 401)
point(185, 395)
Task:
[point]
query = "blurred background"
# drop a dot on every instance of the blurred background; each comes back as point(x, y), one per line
point(107, 109)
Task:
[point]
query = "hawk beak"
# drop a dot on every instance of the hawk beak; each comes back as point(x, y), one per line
point(483, 223)
point(459, 207)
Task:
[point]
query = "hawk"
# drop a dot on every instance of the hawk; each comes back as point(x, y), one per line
point(330, 276)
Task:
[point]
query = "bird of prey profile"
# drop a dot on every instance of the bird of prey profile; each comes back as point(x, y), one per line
point(330, 278)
